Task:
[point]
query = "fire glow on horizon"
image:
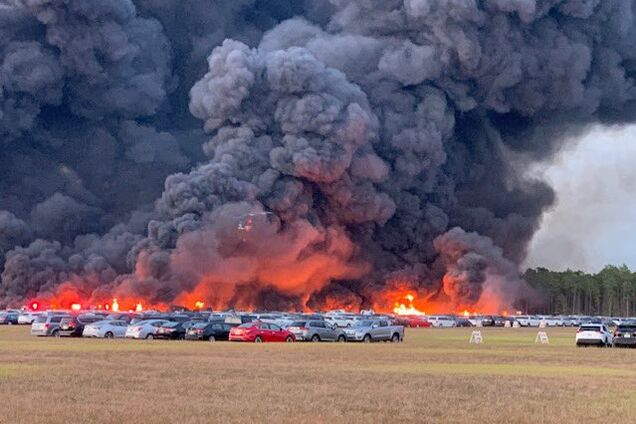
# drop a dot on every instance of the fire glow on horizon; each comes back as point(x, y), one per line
point(401, 301)
point(406, 303)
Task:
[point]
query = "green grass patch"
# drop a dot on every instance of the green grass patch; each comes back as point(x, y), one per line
point(13, 369)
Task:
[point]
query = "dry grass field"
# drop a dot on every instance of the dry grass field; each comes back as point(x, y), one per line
point(435, 376)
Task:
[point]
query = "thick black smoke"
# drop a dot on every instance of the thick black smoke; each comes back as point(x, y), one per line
point(287, 153)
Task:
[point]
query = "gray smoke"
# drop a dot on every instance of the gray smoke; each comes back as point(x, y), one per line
point(289, 153)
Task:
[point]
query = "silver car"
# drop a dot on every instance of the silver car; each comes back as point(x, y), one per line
point(107, 329)
point(371, 331)
point(317, 331)
point(144, 329)
point(47, 325)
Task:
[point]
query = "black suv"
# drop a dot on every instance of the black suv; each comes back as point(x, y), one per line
point(74, 326)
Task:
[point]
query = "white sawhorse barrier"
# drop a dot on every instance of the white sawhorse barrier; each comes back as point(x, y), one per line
point(476, 338)
point(542, 337)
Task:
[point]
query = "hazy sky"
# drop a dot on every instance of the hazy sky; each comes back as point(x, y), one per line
point(594, 220)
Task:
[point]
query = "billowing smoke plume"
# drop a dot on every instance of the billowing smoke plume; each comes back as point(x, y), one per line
point(282, 154)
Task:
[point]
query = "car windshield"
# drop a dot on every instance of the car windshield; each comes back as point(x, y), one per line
point(200, 325)
point(364, 323)
point(590, 328)
point(298, 324)
point(246, 325)
point(626, 328)
point(40, 320)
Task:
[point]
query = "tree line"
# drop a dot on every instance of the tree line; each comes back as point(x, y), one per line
point(610, 292)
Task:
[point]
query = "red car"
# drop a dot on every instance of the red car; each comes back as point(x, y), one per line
point(416, 321)
point(259, 332)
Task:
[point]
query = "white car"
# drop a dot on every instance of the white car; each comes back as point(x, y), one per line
point(28, 317)
point(335, 312)
point(144, 329)
point(565, 321)
point(527, 321)
point(593, 334)
point(476, 321)
point(107, 329)
point(441, 321)
point(550, 321)
point(342, 321)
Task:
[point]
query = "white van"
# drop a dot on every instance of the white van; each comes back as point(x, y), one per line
point(441, 321)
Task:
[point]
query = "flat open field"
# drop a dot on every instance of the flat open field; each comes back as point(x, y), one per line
point(435, 376)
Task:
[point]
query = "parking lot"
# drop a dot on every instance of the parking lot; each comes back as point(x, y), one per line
point(434, 376)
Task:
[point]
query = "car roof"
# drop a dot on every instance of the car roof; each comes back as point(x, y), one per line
point(149, 321)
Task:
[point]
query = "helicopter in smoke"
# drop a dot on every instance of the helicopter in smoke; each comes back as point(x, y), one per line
point(248, 222)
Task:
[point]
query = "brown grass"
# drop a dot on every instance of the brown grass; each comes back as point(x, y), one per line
point(435, 376)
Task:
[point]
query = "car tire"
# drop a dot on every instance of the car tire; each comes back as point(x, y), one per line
point(258, 339)
point(150, 337)
point(366, 338)
point(55, 333)
point(212, 339)
point(289, 339)
point(315, 338)
point(109, 335)
point(341, 339)
point(395, 338)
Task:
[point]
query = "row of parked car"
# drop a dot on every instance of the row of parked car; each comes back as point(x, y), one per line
point(448, 321)
point(344, 319)
point(212, 327)
point(598, 334)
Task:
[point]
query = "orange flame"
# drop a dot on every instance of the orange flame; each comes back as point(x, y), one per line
point(404, 298)
point(407, 307)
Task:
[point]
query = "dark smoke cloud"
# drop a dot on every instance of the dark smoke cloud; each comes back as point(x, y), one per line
point(368, 145)
point(474, 264)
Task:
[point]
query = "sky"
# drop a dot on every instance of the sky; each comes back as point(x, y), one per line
point(593, 222)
